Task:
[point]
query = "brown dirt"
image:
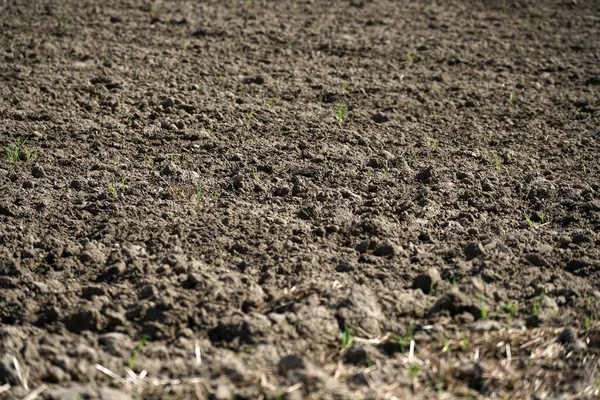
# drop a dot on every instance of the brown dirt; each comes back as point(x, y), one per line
point(326, 199)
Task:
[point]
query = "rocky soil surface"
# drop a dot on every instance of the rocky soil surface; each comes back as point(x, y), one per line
point(341, 199)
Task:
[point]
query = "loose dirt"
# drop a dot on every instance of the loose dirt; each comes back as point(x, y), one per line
point(341, 199)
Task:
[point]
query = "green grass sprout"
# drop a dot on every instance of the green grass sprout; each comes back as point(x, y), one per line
point(137, 351)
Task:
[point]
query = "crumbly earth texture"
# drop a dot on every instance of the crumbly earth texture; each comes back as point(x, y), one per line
point(338, 199)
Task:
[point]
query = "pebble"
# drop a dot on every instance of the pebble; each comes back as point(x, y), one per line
point(384, 249)
point(77, 185)
point(168, 103)
point(38, 171)
point(238, 181)
point(28, 185)
point(290, 362)
point(569, 338)
point(380, 118)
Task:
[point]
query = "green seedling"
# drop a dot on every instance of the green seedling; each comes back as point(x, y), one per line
point(14, 154)
point(529, 221)
point(409, 57)
point(583, 225)
point(484, 313)
point(435, 117)
point(538, 302)
point(111, 189)
point(136, 352)
point(413, 371)
point(404, 341)
point(255, 174)
point(446, 347)
point(587, 324)
point(346, 336)
point(510, 309)
point(277, 100)
point(341, 114)
point(123, 183)
point(511, 98)
point(150, 160)
point(463, 343)
point(584, 169)
point(453, 283)
point(251, 119)
point(345, 86)
point(543, 217)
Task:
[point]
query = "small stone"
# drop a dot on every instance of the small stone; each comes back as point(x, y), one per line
point(363, 246)
point(473, 250)
point(569, 338)
point(425, 175)
point(168, 103)
point(290, 362)
point(38, 171)
point(77, 185)
point(28, 185)
point(384, 249)
point(257, 80)
point(427, 280)
point(238, 181)
point(380, 118)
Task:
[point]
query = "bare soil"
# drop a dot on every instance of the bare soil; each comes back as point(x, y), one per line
point(341, 199)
